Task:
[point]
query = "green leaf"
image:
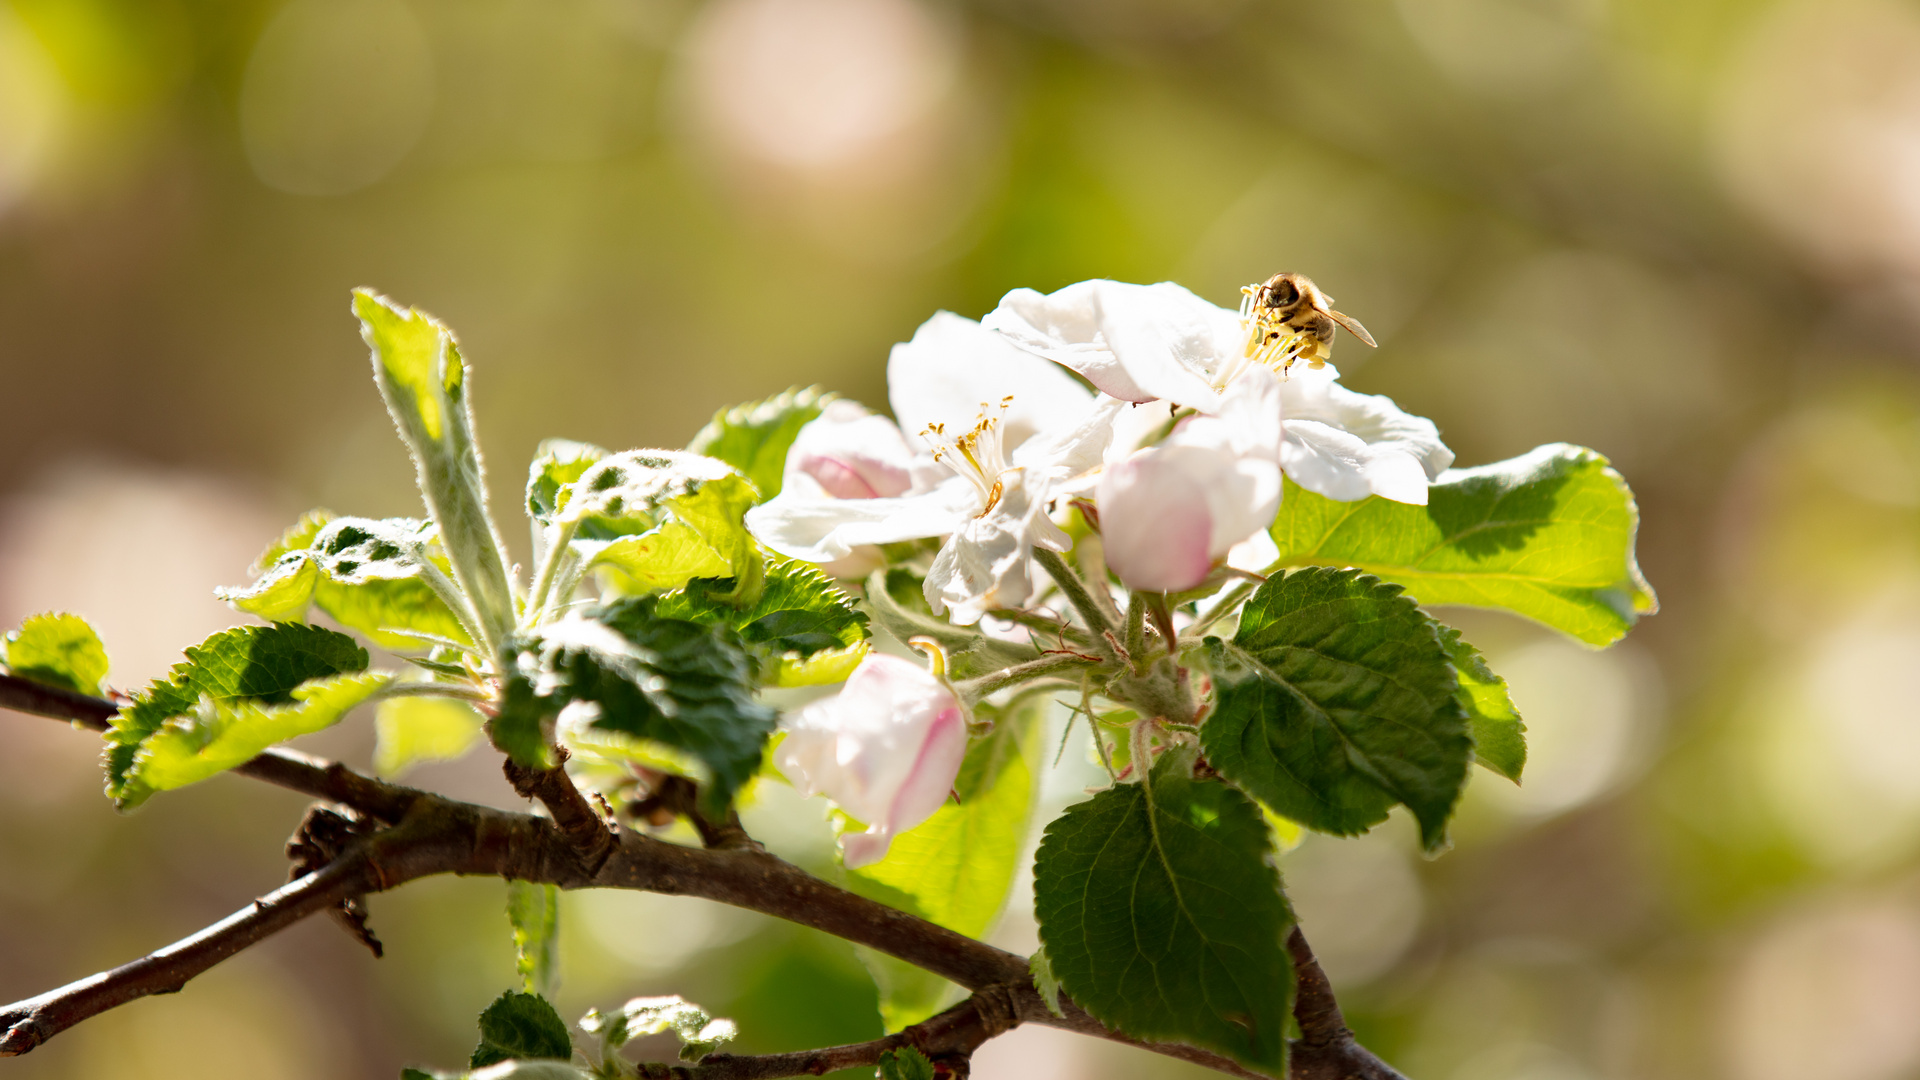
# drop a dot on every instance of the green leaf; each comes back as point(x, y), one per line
point(754, 438)
point(682, 684)
point(368, 575)
point(255, 666)
point(1549, 535)
point(1335, 701)
point(655, 519)
point(1499, 735)
point(699, 1033)
point(1161, 914)
point(957, 867)
point(521, 1026)
point(970, 653)
point(417, 365)
point(1045, 981)
point(60, 650)
point(803, 630)
point(905, 1063)
point(534, 913)
point(557, 463)
point(412, 729)
point(217, 735)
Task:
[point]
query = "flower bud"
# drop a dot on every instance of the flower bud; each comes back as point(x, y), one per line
point(886, 749)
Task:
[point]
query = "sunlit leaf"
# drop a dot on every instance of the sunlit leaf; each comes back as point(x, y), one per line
point(59, 650)
point(366, 574)
point(1499, 735)
point(699, 1033)
point(1549, 535)
point(755, 437)
point(521, 1026)
point(533, 911)
point(417, 365)
point(804, 630)
point(412, 729)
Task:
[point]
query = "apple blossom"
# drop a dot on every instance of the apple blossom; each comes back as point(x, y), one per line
point(1161, 342)
point(1013, 431)
point(886, 749)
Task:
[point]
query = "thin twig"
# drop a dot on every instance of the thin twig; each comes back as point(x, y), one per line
point(974, 690)
point(1076, 591)
point(1326, 1049)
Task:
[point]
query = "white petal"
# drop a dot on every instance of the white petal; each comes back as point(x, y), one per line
point(821, 530)
point(952, 367)
point(1136, 342)
point(1074, 449)
point(1325, 460)
point(1373, 418)
point(988, 561)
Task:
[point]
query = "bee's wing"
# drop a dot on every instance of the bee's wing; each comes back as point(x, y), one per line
point(1353, 327)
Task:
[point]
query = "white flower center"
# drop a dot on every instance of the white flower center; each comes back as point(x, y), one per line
point(976, 455)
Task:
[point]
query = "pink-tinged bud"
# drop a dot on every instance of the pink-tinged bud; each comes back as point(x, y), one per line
point(852, 454)
point(886, 749)
point(1155, 522)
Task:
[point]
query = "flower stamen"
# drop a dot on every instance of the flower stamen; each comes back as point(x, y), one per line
point(976, 455)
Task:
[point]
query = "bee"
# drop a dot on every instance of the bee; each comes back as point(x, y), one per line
point(1288, 319)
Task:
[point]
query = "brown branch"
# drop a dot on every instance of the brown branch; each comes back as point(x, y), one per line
point(948, 1039)
point(435, 835)
point(592, 839)
point(1326, 1049)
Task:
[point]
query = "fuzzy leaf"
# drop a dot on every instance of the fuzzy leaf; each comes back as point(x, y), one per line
point(1045, 981)
point(1161, 914)
point(803, 630)
point(1335, 701)
point(682, 684)
point(655, 519)
point(521, 1026)
point(699, 1033)
point(366, 574)
point(557, 463)
point(260, 664)
point(59, 650)
point(216, 735)
point(417, 365)
point(754, 438)
point(1549, 535)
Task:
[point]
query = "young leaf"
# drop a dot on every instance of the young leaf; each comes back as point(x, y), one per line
point(754, 438)
point(521, 1026)
point(216, 735)
point(803, 630)
point(1044, 980)
point(368, 575)
point(409, 730)
point(556, 463)
point(1335, 701)
point(957, 867)
point(655, 519)
point(700, 1034)
point(264, 664)
point(417, 365)
point(1162, 915)
point(57, 649)
point(534, 913)
point(683, 684)
point(1499, 735)
point(905, 1063)
point(1549, 535)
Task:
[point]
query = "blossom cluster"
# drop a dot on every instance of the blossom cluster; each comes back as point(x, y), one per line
point(1164, 421)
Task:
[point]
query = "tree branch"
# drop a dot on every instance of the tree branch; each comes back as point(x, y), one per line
point(431, 835)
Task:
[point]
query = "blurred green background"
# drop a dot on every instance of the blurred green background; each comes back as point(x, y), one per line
point(1684, 232)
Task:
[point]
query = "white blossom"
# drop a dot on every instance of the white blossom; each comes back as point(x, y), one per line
point(1161, 342)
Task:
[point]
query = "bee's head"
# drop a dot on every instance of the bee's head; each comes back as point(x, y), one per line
point(1283, 292)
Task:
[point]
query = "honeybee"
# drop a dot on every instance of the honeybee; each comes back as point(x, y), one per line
point(1288, 319)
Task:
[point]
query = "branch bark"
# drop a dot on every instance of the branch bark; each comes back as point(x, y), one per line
point(430, 834)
